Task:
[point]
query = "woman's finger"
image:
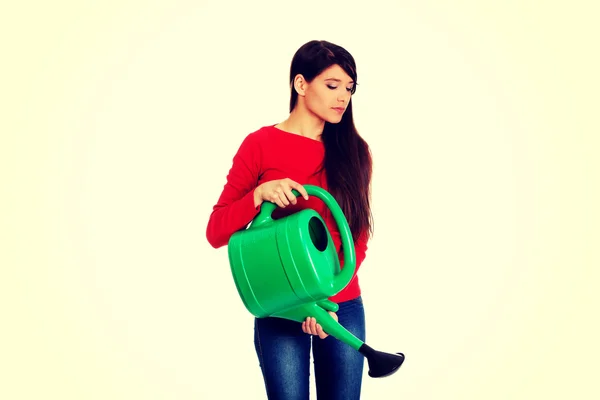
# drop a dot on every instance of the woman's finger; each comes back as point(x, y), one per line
point(277, 200)
point(290, 196)
point(306, 326)
point(313, 326)
point(321, 332)
point(282, 196)
point(300, 189)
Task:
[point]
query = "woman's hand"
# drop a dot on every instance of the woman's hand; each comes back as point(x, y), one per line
point(311, 327)
point(279, 192)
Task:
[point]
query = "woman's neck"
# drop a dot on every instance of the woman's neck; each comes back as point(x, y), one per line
point(303, 123)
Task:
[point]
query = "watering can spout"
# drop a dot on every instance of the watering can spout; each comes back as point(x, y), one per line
point(381, 364)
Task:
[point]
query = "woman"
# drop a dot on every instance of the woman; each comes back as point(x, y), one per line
point(318, 145)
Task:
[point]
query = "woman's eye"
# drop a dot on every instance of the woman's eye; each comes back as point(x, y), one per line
point(351, 89)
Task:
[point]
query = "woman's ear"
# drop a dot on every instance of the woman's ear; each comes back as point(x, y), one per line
point(300, 85)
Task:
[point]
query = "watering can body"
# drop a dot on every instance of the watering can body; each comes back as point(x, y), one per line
point(281, 264)
point(289, 267)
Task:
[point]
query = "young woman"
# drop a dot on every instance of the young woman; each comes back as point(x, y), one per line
point(318, 145)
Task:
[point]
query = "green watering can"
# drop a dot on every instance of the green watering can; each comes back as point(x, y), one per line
point(289, 267)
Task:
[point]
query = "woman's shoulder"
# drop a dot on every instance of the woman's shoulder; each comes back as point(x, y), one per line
point(264, 132)
point(260, 136)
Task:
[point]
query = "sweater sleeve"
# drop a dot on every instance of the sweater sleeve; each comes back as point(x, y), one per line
point(360, 250)
point(360, 247)
point(235, 207)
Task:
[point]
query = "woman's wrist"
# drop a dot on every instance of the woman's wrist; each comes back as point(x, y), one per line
point(257, 197)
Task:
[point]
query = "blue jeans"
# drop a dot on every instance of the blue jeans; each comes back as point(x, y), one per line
point(283, 351)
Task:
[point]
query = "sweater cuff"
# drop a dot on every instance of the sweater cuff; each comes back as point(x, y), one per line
point(247, 209)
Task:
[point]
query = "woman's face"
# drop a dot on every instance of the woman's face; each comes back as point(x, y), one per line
point(328, 95)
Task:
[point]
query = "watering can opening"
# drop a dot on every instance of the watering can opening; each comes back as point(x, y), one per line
point(318, 233)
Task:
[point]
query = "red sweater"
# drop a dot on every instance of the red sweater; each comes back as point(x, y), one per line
point(269, 154)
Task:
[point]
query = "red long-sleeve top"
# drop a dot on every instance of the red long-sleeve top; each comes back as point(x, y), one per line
point(270, 154)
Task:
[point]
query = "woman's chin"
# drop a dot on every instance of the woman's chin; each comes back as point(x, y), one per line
point(334, 120)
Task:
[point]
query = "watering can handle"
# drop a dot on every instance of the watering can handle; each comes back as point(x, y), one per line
point(344, 277)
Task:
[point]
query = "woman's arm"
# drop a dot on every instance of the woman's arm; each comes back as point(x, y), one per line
point(235, 207)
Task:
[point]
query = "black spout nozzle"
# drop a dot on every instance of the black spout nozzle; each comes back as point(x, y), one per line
point(381, 364)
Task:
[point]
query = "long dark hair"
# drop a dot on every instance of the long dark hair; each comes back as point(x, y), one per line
point(347, 162)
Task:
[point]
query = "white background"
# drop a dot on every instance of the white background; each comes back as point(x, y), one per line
point(120, 123)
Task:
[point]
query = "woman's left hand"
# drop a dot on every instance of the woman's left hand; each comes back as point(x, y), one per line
point(311, 327)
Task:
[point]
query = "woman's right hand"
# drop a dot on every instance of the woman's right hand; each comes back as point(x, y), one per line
point(279, 192)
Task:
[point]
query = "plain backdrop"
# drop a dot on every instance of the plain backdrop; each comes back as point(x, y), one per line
point(120, 120)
